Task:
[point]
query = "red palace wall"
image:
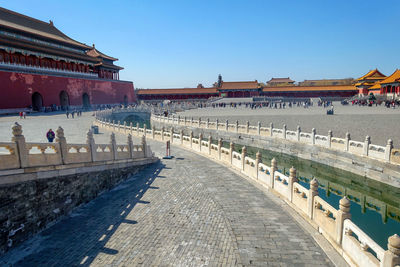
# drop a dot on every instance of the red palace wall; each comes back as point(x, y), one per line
point(17, 89)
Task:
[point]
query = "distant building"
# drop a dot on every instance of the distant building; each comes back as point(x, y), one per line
point(327, 82)
point(280, 82)
point(370, 82)
point(41, 66)
point(391, 85)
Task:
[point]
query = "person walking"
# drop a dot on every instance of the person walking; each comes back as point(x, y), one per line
point(24, 114)
point(50, 135)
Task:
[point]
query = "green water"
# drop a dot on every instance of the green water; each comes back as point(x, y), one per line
point(134, 119)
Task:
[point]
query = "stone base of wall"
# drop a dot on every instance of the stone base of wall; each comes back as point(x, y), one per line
point(30, 203)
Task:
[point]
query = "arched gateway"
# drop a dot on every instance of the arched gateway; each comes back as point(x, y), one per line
point(64, 99)
point(37, 101)
point(85, 100)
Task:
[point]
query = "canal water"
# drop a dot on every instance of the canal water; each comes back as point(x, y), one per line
point(375, 206)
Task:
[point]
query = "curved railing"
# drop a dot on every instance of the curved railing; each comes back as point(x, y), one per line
point(356, 247)
point(382, 153)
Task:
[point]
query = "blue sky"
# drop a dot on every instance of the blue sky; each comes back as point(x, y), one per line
point(170, 43)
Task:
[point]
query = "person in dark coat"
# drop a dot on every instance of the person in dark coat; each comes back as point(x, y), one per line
point(50, 135)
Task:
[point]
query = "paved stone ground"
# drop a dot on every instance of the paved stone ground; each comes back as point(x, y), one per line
point(380, 123)
point(188, 211)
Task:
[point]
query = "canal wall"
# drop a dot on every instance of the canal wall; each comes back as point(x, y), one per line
point(41, 182)
point(356, 247)
point(362, 158)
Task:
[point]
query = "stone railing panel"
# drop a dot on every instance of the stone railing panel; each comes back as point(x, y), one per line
point(196, 144)
point(321, 140)
point(300, 197)
point(264, 174)
point(77, 153)
point(356, 147)
point(253, 130)
point(123, 152)
point(138, 151)
point(237, 160)
point(214, 151)
point(277, 133)
point(325, 216)
point(225, 155)
point(8, 156)
point(42, 154)
point(186, 141)
point(357, 245)
point(338, 143)
point(306, 138)
point(204, 147)
point(265, 131)
point(281, 184)
point(377, 152)
point(242, 129)
point(103, 152)
point(250, 167)
point(291, 135)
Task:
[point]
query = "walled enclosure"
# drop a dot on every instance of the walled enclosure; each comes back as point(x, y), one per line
point(362, 158)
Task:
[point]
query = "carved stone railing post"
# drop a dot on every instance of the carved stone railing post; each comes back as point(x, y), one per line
point(184, 122)
point(329, 141)
point(392, 255)
point(137, 129)
point(208, 123)
point(284, 131)
point(343, 214)
point(144, 129)
point(388, 150)
point(231, 148)
point(91, 144)
point(298, 133)
point(181, 136)
point(119, 126)
point(130, 146)
point(219, 148)
point(237, 126)
point(347, 141)
point(366, 145)
point(200, 138)
point(271, 128)
point(191, 139)
point(113, 146)
point(259, 128)
point(311, 194)
point(62, 142)
point(162, 133)
point(216, 124)
point(199, 122)
point(124, 126)
point(209, 144)
point(274, 168)
point(171, 132)
point(113, 125)
point(19, 140)
point(226, 125)
point(258, 161)
point(191, 121)
point(247, 126)
point(179, 119)
point(144, 146)
point(244, 153)
point(292, 179)
point(313, 133)
point(153, 132)
point(131, 127)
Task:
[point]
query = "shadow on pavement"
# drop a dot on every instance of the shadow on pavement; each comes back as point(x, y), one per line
point(80, 237)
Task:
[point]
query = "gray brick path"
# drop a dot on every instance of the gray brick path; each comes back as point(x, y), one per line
point(188, 211)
